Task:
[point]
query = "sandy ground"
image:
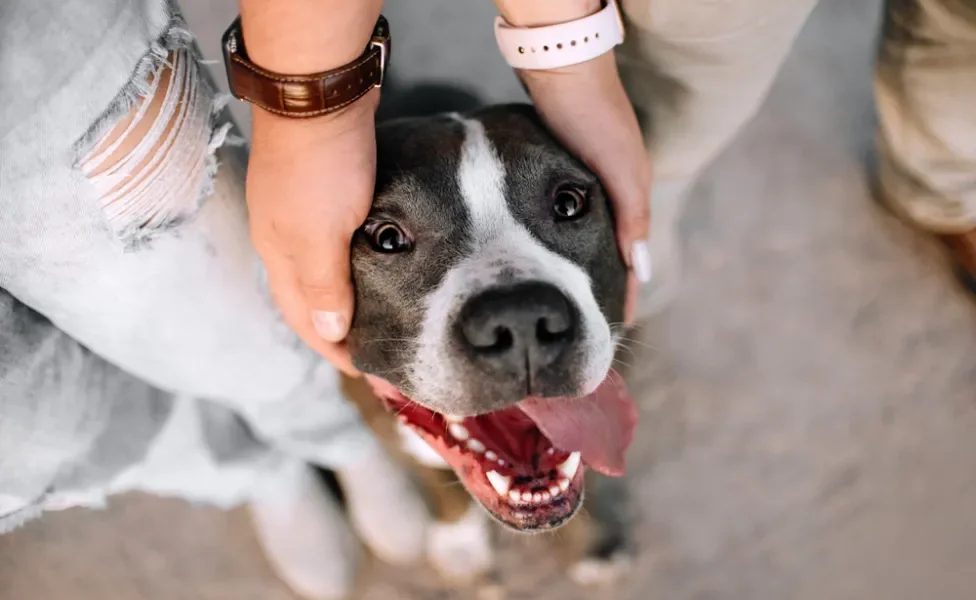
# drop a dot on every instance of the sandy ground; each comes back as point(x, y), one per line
point(809, 405)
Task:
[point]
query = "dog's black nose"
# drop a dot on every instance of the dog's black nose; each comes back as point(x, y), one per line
point(525, 327)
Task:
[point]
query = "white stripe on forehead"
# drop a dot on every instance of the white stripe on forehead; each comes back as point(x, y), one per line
point(501, 246)
point(481, 177)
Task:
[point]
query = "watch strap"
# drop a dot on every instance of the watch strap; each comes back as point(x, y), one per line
point(562, 45)
point(309, 95)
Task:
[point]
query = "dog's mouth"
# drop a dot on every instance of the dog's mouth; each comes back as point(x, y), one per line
point(526, 463)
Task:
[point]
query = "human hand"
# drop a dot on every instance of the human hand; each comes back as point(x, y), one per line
point(587, 109)
point(309, 187)
point(310, 181)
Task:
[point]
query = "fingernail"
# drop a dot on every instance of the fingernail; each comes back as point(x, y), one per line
point(330, 325)
point(640, 260)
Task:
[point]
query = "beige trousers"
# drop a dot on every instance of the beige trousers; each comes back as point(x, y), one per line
point(698, 70)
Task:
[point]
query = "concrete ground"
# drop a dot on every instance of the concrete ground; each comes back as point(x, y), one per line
point(809, 405)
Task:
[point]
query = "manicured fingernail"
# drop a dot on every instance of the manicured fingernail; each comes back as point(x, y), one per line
point(640, 261)
point(330, 325)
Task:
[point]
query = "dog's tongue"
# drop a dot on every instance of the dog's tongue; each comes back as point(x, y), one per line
point(600, 426)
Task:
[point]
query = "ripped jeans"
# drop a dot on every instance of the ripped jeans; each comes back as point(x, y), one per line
point(139, 348)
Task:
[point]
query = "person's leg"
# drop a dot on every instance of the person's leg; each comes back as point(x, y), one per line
point(925, 88)
point(128, 236)
point(697, 72)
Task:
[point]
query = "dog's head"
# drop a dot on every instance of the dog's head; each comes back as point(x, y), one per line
point(489, 290)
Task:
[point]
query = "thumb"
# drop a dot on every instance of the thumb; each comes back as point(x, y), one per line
point(323, 273)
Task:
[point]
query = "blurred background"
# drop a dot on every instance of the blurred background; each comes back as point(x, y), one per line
point(809, 404)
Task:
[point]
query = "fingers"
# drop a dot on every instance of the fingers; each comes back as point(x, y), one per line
point(322, 270)
point(630, 301)
point(632, 214)
point(290, 296)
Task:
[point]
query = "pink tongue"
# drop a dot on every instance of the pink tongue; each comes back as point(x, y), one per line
point(600, 426)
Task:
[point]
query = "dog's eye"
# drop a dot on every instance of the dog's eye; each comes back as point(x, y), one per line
point(569, 202)
point(387, 237)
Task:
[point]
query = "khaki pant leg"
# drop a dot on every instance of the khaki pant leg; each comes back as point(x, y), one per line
point(697, 71)
point(925, 88)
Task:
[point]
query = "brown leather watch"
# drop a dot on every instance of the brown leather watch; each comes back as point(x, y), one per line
point(302, 96)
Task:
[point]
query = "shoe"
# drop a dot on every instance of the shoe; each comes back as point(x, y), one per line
point(304, 533)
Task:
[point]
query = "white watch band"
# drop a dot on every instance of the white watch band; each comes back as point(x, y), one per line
point(561, 45)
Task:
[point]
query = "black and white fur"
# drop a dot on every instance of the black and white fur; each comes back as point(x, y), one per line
point(474, 193)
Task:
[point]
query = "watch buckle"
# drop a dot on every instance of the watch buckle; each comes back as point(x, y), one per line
point(381, 41)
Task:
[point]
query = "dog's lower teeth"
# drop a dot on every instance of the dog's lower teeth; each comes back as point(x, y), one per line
point(475, 445)
point(569, 466)
point(458, 432)
point(515, 495)
point(491, 456)
point(500, 482)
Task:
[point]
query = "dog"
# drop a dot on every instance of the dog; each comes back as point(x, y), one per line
point(489, 296)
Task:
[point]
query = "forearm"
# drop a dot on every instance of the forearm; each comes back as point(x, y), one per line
point(307, 36)
point(536, 13)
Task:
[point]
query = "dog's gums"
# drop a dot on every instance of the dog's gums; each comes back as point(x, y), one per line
point(504, 461)
point(502, 458)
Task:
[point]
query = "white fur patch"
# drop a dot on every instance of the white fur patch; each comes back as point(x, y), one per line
point(596, 572)
point(500, 243)
point(461, 551)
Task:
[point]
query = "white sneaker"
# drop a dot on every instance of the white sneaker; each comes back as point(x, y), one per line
point(385, 509)
point(305, 534)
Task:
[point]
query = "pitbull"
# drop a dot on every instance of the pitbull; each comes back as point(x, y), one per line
point(489, 305)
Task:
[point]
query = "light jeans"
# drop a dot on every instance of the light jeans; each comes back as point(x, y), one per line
point(139, 348)
point(698, 70)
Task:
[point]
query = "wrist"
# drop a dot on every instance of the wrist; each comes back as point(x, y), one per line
point(273, 131)
point(536, 13)
point(301, 37)
point(594, 73)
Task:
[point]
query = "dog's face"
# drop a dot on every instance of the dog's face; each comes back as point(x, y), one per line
point(488, 285)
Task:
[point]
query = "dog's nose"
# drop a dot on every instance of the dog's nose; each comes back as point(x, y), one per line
point(525, 327)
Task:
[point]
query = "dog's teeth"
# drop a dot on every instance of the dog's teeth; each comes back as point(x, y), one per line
point(402, 418)
point(458, 432)
point(554, 491)
point(563, 485)
point(569, 466)
point(491, 456)
point(527, 496)
point(501, 463)
point(453, 419)
point(537, 497)
point(500, 482)
point(546, 496)
point(475, 446)
point(551, 451)
point(515, 495)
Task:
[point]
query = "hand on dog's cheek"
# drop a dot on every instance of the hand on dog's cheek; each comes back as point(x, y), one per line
point(587, 109)
point(309, 188)
point(294, 309)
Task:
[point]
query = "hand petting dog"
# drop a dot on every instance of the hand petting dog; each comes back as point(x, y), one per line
point(310, 184)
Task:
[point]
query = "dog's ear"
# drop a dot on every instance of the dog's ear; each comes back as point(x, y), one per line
point(424, 100)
